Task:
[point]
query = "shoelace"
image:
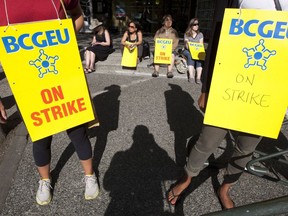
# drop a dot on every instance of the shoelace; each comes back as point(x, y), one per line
point(89, 180)
point(45, 184)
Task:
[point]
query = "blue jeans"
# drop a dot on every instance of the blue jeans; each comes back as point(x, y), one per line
point(190, 61)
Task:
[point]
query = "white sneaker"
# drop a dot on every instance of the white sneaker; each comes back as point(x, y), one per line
point(43, 196)
point(92, 188)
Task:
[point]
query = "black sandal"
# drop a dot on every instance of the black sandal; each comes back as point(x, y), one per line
point(177, 197)
point(170, 75)
point(155, 74)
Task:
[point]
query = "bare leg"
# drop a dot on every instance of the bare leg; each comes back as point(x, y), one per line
point(92, 61)
point(44, 171)
point(87, 59)
point(199, 72)
point(176, 191)
point(225, 199)
point(191, 71)
point(87, 166)
point(156, 67)
point(170, 67)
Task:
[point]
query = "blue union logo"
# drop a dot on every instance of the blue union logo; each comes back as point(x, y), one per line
point(45, 64)
point(258, 55)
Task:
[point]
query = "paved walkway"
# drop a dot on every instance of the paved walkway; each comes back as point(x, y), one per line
point(113, 61)
point(134, 151)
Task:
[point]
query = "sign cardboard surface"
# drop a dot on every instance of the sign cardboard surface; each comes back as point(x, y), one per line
point(44, 70)
point(197, 50)
point(163, 51)
point(129, 58)
point(250, 81)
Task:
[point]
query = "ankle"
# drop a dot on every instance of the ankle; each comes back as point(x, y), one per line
point(224, 188)
point(185, 180)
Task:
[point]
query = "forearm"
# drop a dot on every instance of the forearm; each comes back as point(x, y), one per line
point(78, 23)
point(3, 115)
point(77, 17)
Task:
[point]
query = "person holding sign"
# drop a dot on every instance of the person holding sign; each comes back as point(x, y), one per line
point(167, 32)
point(132, 38)
point(33, 11)
point(101, 46)
point(193, 34)
point(211, 136)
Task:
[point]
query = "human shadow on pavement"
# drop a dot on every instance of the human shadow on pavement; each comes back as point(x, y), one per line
point(184, 119)
point(2, 75)
point(65, 156)
point(107, 108)
point(136, 178)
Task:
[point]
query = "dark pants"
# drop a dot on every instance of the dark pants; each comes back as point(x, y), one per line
point(77, 135)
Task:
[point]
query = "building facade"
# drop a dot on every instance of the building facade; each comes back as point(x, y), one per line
point(117, 13)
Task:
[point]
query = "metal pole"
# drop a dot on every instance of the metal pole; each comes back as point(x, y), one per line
point(266, 208)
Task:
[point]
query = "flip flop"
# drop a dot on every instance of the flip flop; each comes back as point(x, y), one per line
point(177, 197)
point(86, 70)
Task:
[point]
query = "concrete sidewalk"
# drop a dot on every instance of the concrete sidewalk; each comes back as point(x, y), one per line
point(14, 137)
point(137, 111)
point(113, 62)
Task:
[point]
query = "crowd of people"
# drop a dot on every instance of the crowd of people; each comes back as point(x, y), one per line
point(101, 47)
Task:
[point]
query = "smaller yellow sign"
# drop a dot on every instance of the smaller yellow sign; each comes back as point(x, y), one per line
point(163, 51)
point(129, 58)
point(197, 50)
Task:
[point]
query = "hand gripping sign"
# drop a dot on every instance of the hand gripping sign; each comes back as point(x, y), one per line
point(197, 50)
point(129, 58)
point(44, 70)
point(163, 51)
point(250, 81)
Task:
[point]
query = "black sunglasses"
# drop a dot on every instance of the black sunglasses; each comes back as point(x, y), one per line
point(195, 24)
point(132, 27)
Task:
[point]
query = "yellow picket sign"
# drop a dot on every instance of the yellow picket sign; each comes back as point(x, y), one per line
point(44, 70)
point(250, 81)
point(129, 58)
point(197, 50)
point(163, 51)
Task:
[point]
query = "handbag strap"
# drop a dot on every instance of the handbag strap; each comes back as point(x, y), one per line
point(278, 5)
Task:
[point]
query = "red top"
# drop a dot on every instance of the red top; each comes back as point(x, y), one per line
point(32, 10)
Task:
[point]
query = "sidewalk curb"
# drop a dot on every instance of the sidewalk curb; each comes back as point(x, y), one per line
point(16, 141)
